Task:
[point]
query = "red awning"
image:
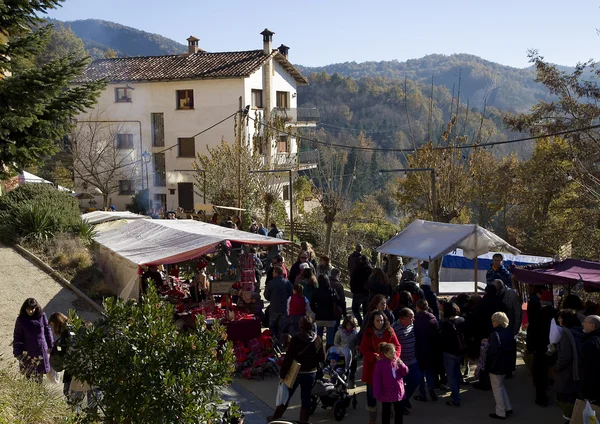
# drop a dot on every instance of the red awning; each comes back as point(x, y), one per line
point(567, 272)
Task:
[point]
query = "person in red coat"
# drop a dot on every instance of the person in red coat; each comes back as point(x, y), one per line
point(378, 330)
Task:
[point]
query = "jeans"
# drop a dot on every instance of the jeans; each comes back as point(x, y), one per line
point(359, 304)
point(371, 401)
point(353, 366)
point(277, 321)
point(385, 412)
point(452, 366)
point(305, 381)
point(426, 375)
point(411, 382)
point(330, 333)
point(500, 395)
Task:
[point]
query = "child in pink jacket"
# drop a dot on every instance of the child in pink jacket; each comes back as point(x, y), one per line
point(388, 386)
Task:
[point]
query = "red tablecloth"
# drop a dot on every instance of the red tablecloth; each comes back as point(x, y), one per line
point(243, 330)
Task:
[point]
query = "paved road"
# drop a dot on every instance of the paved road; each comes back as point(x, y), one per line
point(20, 279)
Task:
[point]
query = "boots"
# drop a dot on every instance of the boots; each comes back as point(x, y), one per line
point(279, 411)
point(372, 416)
point(304, 415)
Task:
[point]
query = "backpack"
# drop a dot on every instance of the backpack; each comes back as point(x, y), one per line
point(59, 351)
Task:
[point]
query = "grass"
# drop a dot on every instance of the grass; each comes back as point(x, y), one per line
point(23, 401)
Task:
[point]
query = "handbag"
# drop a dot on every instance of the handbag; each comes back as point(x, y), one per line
point(292, 374)
point(337, 310)
point(283, 394)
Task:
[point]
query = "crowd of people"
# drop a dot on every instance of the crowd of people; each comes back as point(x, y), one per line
point(412, 344)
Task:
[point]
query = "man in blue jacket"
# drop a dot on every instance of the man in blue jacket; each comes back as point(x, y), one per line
point(498, 271)
point(277, 293)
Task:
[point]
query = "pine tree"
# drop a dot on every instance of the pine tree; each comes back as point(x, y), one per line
point(36, 104)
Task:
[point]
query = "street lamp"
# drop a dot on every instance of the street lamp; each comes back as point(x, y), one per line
point(435, 264)
point(146, 157)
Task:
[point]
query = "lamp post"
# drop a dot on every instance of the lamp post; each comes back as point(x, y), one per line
point(146, 157)
point(289, 171)
point(434, 266)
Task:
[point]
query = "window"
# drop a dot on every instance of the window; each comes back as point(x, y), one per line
point(126, 187)
point(282, 144)
point(123, 95)
point(185, 99)
point(283, 99)
point(257, 99)
point(124, 141)
point(158, 129)
point(160, 174)
point(286, 192)
point(186, 147)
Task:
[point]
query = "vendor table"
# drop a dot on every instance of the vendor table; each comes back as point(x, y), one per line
point(243, 330)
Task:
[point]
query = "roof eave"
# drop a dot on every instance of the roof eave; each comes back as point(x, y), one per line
point(288, 66)
point(130, 81)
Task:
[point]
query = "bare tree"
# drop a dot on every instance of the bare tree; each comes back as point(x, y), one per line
point(103, 155)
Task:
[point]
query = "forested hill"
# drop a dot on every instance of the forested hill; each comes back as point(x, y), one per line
point(503, 87)
point(104, 38)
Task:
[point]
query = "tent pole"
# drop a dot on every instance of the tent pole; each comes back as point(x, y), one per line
point(419, 270)
point(475, 271)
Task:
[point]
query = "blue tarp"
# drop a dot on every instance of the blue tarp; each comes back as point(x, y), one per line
point(456, 260)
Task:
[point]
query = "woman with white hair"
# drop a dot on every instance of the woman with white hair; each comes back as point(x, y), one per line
point(499, 363)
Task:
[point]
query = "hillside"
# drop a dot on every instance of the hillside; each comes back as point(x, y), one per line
point(504, 87)
point(99, 37)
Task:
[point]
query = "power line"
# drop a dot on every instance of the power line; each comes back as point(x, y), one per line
point(362, 130)
point(410, 150)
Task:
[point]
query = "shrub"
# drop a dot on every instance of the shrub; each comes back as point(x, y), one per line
point(23, 401)
point(36, 211)
point(139, 202)
point(87, 232)
point(148, 370)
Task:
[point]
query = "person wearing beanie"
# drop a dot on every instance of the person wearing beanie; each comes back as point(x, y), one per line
point(430, 296)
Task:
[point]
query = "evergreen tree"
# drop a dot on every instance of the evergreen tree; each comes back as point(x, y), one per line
point(36, 104)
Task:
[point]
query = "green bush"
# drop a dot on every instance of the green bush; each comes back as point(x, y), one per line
point(24, 401)
point(148, 370)
point(139, 202)
point(37, 212)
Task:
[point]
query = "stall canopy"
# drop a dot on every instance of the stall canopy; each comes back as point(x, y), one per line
point(98, 217)
point(161, 241)
point(428, 240)
point(567, 272)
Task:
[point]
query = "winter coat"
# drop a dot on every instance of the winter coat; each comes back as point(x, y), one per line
point(451, 336)
point(309, 359)
point(339, 289)
point(482, 316)
point(324, 270)
point(296, 271)
point(388, 385)
point(394, 270)
point(270, 274)
point(514, 309)
point(353, 261)
point(322, 303)
point(375, 287)
point(31, 341)
point(500, 274)
point(432, 300)
point(346, 339)
point(426, 335)
point(499, 355)
point(276, 248)
point(359, 278)
point(369, 347)
point(590, 365)
point(278, 291)
point(309, 290)
point(567, 375)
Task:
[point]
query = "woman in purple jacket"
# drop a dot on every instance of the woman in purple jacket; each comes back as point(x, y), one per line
point(32, 340)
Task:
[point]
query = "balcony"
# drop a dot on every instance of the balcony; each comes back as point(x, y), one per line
point(308, 157)
point(297, 117)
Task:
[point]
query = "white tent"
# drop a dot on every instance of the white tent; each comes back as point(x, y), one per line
point(121, 251)
point(98, 217)
point(28, 177)
point(426, 240)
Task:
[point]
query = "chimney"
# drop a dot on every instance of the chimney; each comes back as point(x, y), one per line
point(267, 41)
point(284, 50)
point(193, 44)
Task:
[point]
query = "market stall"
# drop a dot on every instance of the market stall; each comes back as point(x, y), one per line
point(98, 217)
point(222, 287)
point(428, 241)
point(568, 273)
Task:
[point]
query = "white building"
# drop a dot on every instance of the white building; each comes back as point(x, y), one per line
point(160, 103)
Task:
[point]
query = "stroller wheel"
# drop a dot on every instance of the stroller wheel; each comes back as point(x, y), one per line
point(354, 401)
point(314, 403)
point(339, 410)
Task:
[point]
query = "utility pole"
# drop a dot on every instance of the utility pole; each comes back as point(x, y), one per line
point(239, 167)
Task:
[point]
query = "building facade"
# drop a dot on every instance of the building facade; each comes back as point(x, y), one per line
point(159, 112)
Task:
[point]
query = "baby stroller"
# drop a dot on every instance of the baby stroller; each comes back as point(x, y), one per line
point(331, 385)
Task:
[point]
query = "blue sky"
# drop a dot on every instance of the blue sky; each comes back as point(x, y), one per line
point(321, 32)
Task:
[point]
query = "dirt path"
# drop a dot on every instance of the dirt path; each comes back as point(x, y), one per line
point(20, 279)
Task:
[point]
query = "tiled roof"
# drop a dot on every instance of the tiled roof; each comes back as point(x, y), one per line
point(184, 67)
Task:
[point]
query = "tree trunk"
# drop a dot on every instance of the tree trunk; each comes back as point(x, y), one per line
point(328, 237)
point(105, 198)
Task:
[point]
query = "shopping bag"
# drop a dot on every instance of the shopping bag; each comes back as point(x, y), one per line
point(290, 377)
point(283, 394)
point(579, 411)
